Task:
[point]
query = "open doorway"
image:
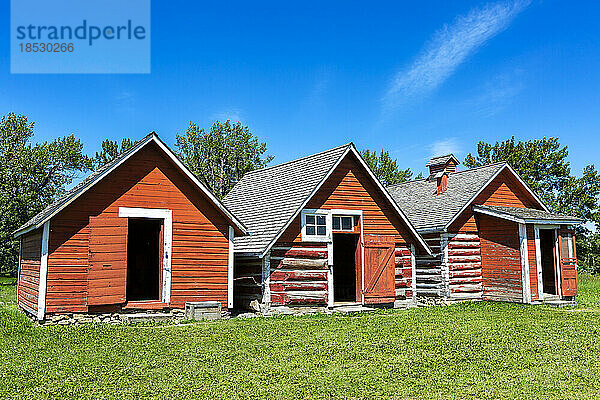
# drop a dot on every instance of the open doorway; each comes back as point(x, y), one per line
point(344, 267)
point(144, 255)
point(548, 261)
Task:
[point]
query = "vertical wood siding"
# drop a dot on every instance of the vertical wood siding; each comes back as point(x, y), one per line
point(532, 262)
point(500, 259)
point(349, 187)
point(147, 180)
point(29, 271)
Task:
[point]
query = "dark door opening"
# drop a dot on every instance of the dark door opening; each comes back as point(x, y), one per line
point(344, 267)
point(547, 258)
point(143, 259)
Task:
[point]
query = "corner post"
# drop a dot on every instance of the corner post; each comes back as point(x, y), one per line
point(230, 268)
point(41, 311)
point(525, 278)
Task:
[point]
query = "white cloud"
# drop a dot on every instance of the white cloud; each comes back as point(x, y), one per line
point(445, 146)
point(448, 49)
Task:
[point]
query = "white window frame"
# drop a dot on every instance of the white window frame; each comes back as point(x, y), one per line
point(316, 238)
point(167, 216)
point(351, 230)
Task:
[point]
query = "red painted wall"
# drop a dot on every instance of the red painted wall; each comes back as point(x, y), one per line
point(29, 271)
point(147, 180)
point(500, 259)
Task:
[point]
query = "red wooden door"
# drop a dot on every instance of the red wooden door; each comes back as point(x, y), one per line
point(107, 260)
point(379, 266)
point(568, 263)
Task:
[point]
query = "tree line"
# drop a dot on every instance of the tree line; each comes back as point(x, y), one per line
point(33, 175)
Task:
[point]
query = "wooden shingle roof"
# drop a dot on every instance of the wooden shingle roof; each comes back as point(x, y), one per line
point(429, 211)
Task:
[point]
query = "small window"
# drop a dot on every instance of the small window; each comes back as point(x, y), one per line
point(343, 223)
point(316, 225)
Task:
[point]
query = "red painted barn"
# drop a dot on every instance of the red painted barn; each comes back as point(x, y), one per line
point(493, 238)
point(323, 231)
point(141, 232)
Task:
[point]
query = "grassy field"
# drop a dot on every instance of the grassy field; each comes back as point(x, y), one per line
point(478, 350)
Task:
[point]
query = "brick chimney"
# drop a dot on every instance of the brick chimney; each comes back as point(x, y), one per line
point(439, 169)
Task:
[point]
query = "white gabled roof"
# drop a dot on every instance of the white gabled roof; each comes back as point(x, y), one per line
point(57, 206)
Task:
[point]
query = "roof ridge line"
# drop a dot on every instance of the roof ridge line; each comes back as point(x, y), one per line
point(298, 159)
point(453, 173)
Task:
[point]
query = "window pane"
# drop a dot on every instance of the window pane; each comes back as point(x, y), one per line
point(336, 223)
point(321, 230)
point(320, 220)
point(347, 223)
point(310, 219)
point(310, 229)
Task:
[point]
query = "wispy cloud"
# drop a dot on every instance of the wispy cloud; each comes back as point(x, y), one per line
point(445, 146)
point(125, 101)
point(448, 49)
point(233, 114)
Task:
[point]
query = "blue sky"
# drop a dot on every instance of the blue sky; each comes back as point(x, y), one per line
point(416, 78)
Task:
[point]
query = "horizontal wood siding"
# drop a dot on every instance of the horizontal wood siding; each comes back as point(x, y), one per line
point(533, 276)
point(504, 190)
point(147, 180)
point(349, 187)
point(29, 271)
point(464, 266)
point(500, 259)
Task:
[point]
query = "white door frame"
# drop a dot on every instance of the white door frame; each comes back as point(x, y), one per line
point(538, 256)
point(330, 250)
point(167, 216)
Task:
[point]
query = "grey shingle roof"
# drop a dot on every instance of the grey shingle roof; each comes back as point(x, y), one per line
point(267, 198)
point(528, 214)
point(426, 210)
point(97, 175)
point(441, 160)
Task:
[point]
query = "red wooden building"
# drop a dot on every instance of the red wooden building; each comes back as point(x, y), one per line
point(141, 232)
point(493, 238)
point(323, 230)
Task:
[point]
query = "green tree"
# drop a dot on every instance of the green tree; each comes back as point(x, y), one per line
point(543, 164)
point(31, 177)
point(221, 156)
point(385, 167)
point(111, 150)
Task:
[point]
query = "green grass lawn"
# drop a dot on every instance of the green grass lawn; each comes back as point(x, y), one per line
point(477, 350)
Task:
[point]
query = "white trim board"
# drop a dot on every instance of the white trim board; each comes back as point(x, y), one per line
point(167, 216)
point(43, 284)
point(230, 267)
point(501, 215)
point(525, 274)
point(153, 138)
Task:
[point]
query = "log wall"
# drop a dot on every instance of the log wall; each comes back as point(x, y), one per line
point(147, 180)
point(464, 266)
point(247, 281)
point(29, 271)
point(298, 274)
point(429, 269)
